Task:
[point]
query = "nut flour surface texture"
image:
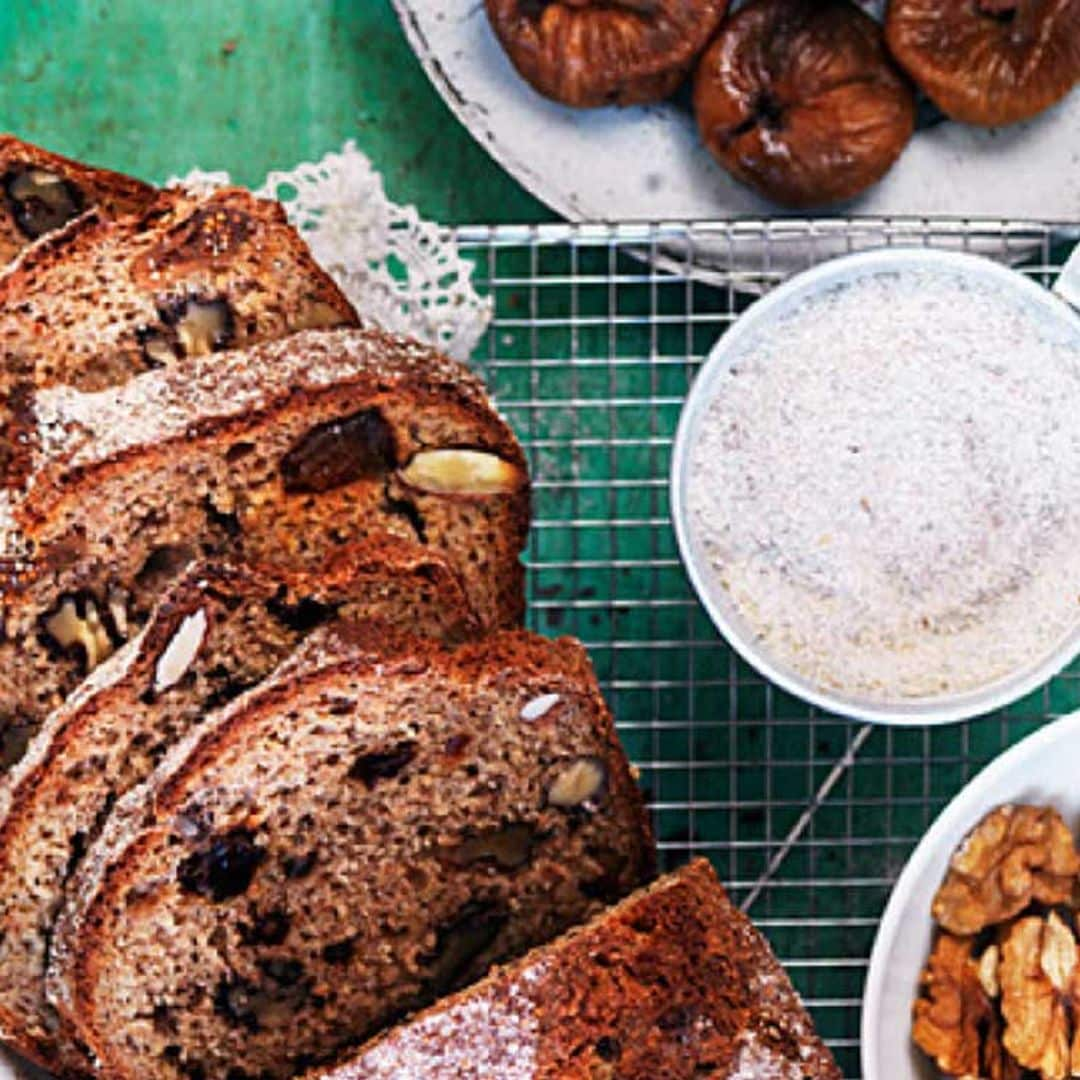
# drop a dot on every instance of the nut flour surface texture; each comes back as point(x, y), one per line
point(887, 486)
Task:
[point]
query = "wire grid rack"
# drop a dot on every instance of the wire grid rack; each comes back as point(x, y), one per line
point(597, 335)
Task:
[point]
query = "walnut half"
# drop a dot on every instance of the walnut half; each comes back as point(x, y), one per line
point(76, 624)
point(1039, 981)
point(1015, 855)
point(952, 1009)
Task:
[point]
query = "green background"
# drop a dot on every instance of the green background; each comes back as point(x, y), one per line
point(154, 88)
point(590, 355)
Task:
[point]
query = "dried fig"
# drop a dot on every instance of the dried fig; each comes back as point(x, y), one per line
point(224, 868)
point(378, 765)
point(339, 452)
point(589, 53)
point(988, 62)
point(801, 101)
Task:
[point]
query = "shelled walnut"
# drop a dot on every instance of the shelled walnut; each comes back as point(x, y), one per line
point(1015, 855)
point(953, 1009)
point(1039, 980)
point(1000, 995)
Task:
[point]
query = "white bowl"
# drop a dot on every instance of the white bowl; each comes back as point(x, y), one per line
point(1041, 770)
point(1055, 313)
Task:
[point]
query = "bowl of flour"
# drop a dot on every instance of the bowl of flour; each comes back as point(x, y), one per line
point(876, 486)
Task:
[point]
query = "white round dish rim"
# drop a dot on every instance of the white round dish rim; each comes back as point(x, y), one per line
point(918, 711)
point(1005, 779)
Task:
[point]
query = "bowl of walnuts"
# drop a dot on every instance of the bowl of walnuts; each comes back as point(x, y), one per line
point(975, 970)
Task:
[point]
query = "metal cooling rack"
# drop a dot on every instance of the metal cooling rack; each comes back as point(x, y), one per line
point(808, 818)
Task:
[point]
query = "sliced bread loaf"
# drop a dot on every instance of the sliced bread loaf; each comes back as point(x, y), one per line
point(43, 191)
point(673, 983)
point(372, 827)
point(103, 300)
point(217, 631)
point(278, 454)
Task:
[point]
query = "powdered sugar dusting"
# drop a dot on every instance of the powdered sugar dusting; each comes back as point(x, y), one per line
point(7, 523)
point(13, 546)
point(79, 428)
point(756, 1061)
point(484, 1034)
point(887, 485)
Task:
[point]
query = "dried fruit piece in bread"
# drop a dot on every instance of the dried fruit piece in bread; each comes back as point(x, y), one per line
point(43, 191)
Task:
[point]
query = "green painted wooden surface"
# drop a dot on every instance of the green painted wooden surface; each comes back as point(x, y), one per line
point(155, 87)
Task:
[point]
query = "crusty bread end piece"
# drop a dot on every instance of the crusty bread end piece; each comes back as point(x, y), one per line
point(674, 982)
point(103, 300)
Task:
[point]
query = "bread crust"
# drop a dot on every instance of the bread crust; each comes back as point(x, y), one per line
point(195, 457)
point(114, 193)
point(674, 982)
point(512, 661)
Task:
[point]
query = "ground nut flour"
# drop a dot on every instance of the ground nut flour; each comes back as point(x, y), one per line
point(887, 485)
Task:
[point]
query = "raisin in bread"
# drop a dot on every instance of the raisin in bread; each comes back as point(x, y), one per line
point(103, 300)
point(43, 191)
point(373, 827)
point(278, 454)
point(217, 631)
point(674, 982)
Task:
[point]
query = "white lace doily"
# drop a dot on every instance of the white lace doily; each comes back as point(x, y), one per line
point(397, 269)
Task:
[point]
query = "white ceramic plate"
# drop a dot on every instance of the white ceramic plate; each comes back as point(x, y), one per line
point(647, 164)
point(1041, 770)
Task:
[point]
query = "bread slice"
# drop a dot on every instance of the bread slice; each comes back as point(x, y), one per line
point(278, 454)
point(103, 300)
point(42, 191)
point(674, 982)
point(217, 631)
point(373, 827)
